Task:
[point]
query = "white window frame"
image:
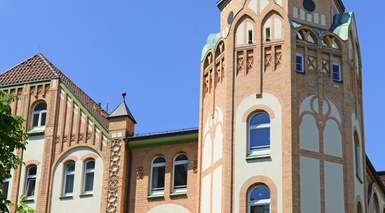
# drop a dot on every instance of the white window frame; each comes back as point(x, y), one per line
point(261, 150)
point(65, 174)
point(28, 179)
point(302, 63)
point(180, 189)
point(156, 191)
point(85, 172)
point(40, 114)
point(257, 203)
point(339, 73)
point(8, 181)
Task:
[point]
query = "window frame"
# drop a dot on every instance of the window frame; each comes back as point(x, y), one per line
point(259, 202)
point(65, 174)
point(85, 172)
point(181, 190)
point(160, 190)
point(302, 63)
point(39, 113)
point(28, 179)
point(6, 182)
point(263, 151)
point(339, 80)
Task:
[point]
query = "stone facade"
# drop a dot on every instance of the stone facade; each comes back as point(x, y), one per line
point(295, 61)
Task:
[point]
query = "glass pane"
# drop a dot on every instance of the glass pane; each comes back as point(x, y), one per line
point(43, 116)
point(89, 183)
point(259, 118)
point(40, 107)
point(336, 72)
point(4, 190)
point(259, 193)
point(70, 167)
point(69, 184)
point(180, 178)
point(259, 138)
point(260, 209)
point(181, 157)
point(159, 160)
point(32, 171)
point(31, 187)
point(35, 120)
point(158, 178)
point(90, 165)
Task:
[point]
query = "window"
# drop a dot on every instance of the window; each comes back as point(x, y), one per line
point(180, 174)
point(376, 204)
point(39, 115)
point(69, 177)
point(268, 34)
point(337, 74)
point(299, 63)
point(5, 188)
point(259, 200)
point(157, 176)
point(357, 156)
point(259, 132)
point(89, 174)
point(250, 37)
point(30, 181)
point(359, 208)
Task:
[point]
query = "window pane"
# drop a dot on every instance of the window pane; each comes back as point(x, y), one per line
point(31, 187)
point(89, 182)
point(158, 178)
point(260, 209)
point(4, 190)
point(259, 138)
point(70, 167)
point(32, 171)
point(90, 165)
point(69, 184)
point(299, 64)
point(259, 193)
point(336, 73)
point(43, 116)
point(260, 118)
point(159, 160)
point(35, 120)
point(181, 157)
point(40, 107)
point(180, 178)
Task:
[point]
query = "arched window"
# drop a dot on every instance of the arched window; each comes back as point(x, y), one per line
point(357, 156)
point(69, 177)
point(158, 170)
point(88, 176)
point(259, 132)
point(180, 173)
point(39, 115)
point(259, 199)
point(30, 181)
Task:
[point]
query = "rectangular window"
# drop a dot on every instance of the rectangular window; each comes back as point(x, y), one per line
point(268, 34)
point(5, 187)
point(180, 179)
point(337, 74)
point(299, 63)
point(30, 181)
point(250, 37)
point(157, 184)
point(357, 152)
point(259, 138)
point(69, 184)
point(35, 120)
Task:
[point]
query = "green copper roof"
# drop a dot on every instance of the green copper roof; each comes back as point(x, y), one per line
point(341, 25)
point(212, 40)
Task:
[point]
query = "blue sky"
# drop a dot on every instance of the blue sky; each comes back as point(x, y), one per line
point(151, 50)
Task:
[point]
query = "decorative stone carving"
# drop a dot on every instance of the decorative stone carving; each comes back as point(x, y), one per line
point(326, 66)
point(268, 58)
point(312, 63)
point(250, 61)
point(139, 172)
point(278, 57)
point(113, 180)
point(240, 61)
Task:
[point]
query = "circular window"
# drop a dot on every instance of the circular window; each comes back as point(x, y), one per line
point(309, 5)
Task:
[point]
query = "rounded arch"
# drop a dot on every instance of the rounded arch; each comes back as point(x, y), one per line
point(169, 208)
point(62, 157)
point(331, 40)
point(252, 182)
point(208, 59)
point(219, 48)
point(179, 154)
point(306, 34)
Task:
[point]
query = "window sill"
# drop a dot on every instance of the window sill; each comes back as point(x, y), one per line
point(155, 196)
point(66, 197)
point(179, 194)
point(29, 200)
point(36, 131)
point(86, 195)
point(262, 154)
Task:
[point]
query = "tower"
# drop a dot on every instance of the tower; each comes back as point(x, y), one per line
point(281, 109)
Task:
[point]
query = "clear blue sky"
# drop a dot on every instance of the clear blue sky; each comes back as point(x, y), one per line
point(151, 50)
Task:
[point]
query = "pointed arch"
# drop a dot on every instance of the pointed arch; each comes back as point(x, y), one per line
point(271, 26)
point(244, 31)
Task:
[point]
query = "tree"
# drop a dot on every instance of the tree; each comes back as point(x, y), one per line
point(12, 137)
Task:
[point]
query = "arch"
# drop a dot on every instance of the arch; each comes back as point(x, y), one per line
point(331, 40)
point(65, 154)
point(252, 182)
point(272, 27)
point(208, 59)
point(219, 48)
point(157, 177)
point(39, 114)
point(258, 197)
point(258, 130)
point(180, 173)
point(245, 32)
point(307, 35)
point(258, 108)
point(169, 208)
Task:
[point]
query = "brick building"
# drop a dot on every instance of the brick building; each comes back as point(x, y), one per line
point(280, 126)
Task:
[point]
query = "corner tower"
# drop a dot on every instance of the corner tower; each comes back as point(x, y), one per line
point(280, 105)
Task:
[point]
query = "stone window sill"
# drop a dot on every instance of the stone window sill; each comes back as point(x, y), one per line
point(262, 154)
point(86, 195)
point(37, 131)
point(155, 196)
point(178, 194)
point(66, 197)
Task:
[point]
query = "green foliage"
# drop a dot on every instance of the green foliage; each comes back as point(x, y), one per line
point(22, 207)
point(12, 137)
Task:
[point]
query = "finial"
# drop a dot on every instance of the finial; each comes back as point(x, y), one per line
point(124, 96)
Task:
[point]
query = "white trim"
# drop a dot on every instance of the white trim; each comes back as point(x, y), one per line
point(179, 189)
point(85, 172)
point(257, 149)
point(65, 174)
point(302, 62)
point(158, 190)
point(28, 178)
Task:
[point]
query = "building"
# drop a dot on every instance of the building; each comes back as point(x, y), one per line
point(280, 126)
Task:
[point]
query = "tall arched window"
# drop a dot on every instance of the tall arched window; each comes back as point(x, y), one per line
point(259, 199)
point(180, 174)
point(158, 170)
point(39, 115)
point(30, 181)
point(258, 132)
point(69, 177)
point(88, 177)
point(357, 156)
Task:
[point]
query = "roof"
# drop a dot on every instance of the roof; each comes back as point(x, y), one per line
point(121, 111)
point(38, 68)
point(375, 174)
point(212, 40)
point(341, 24)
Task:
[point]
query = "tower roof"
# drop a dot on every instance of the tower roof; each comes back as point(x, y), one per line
point(38, 68)
point(122, 111)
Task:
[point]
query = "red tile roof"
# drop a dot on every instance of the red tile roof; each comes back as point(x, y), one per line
point(38, 68)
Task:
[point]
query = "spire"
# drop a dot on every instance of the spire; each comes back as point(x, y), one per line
point(122, 110)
